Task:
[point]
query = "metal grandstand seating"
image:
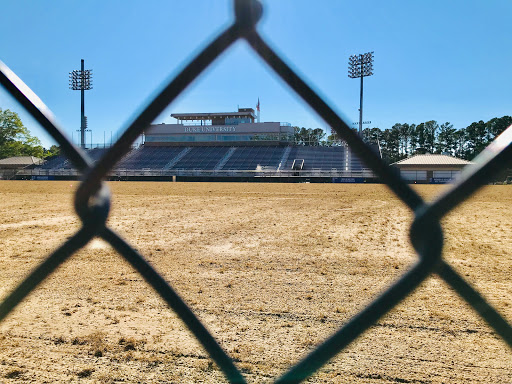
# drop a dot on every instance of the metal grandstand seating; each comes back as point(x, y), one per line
point(222, 158)
point(248, 158)
point(149, 158)
point(54, 162)
point(356, 164)
point(61, 162)
point(94, 154)
point(177, 158)
point(202, 158)
point(225, 159)
point(324, 158)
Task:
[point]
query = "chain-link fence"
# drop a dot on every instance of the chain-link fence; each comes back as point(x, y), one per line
point(92, 203)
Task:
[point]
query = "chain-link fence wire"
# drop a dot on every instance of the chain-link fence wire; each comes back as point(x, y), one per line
point(92, 203)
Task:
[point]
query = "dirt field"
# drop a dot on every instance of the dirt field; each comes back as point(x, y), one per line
point(270, 269)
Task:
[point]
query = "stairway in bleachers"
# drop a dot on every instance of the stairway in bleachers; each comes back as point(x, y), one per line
point(284, 158)
point(225, 159)
point(131, 154)
point(178, 157)
point(201, 158)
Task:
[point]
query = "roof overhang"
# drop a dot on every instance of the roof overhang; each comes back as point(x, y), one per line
point(211, 116)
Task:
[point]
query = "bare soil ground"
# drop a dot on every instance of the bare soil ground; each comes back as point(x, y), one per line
point(270, 269)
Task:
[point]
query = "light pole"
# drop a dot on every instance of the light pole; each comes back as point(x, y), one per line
point(81, 80)
point(88, 130)
point(360, 66)
point(364, 122)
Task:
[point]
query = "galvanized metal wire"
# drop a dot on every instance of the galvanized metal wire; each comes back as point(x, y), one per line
point(92, 203)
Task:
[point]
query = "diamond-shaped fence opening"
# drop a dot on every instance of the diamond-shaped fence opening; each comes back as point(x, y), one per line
point(92, 203)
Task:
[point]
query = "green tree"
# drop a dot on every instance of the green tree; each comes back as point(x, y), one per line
point(476, 139)
point(308, 136)
point(419, 139)
point(446, 140)
point(460, 143)
point(405, 138)
point(389, 144)
point(397, 132)
point(372, 135)
point(431, 129)
point(497, 125)
point(15, 138)
point(54, 150)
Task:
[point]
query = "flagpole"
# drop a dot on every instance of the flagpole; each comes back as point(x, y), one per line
point(258, 109)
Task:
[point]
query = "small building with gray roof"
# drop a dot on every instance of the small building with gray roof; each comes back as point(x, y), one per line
point(430, 168)
point(10, 165)
point(18, 162)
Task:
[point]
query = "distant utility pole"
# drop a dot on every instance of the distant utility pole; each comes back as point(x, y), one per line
point(81, 80)
point(360, 66)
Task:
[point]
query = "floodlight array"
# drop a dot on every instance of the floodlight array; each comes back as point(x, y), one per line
point(360, 65)
point(80, 80)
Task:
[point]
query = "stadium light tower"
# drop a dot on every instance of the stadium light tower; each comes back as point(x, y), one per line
point(81, 80)
point(360, 66)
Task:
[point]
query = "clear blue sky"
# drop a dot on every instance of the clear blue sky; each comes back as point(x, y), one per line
point(434, 60)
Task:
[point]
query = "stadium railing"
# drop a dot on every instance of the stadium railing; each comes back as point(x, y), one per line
point(267, 171)
point(92, 203)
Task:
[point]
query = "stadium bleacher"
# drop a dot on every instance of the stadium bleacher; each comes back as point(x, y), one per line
point(61, 162)
point(95, 154)
point(324, 158)
point(53, 163)
point(249, 158)
point(203, 158)
point(314, 159)
point(149, 157)
point(225, 144)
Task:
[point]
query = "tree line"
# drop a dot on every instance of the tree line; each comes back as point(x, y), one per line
point(405, 139)
point(16, 140)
